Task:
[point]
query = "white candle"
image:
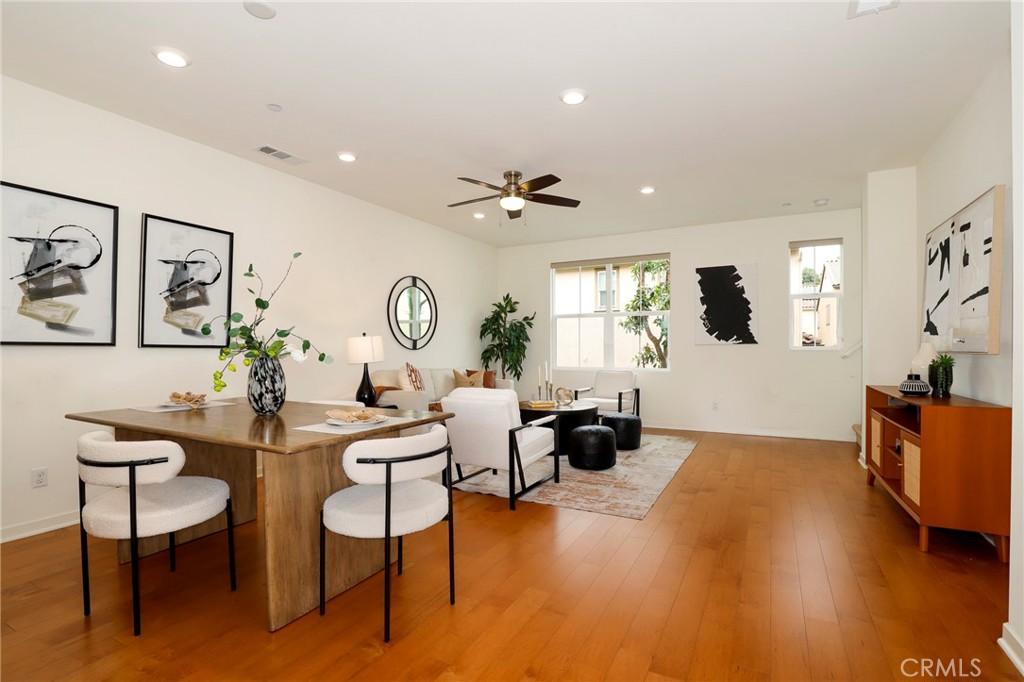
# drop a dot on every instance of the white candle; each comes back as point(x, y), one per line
point(540, 379)
point(547, 372)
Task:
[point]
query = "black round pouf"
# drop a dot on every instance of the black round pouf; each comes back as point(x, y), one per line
point(592, 447)
point(626, 427)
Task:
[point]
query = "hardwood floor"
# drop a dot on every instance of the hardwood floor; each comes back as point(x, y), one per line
point(764, 559)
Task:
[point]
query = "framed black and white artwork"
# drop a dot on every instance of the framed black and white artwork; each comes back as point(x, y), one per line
point(726, 305)
point(962, 278)
point(186, 281)
point(59, 269)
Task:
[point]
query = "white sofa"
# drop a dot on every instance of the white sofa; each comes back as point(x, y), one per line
point(437, 383)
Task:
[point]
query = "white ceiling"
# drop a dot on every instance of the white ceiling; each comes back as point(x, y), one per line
point(728, 109)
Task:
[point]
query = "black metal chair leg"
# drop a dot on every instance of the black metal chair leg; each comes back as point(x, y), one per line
point(136, 609)
point(170, 548)
point(387, 553)
point(134, 534)
point(451, 545)
point(322, 534)
point(87, 602)
point(399, 555)
point(231, 544)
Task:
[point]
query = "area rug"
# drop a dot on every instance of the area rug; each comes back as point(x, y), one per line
point(628, 489)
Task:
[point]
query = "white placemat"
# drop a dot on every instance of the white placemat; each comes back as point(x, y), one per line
point(179, 408)
point(338, 430)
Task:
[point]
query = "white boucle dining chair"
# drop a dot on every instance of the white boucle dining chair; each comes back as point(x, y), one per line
point(392, 498)
point(148, 498)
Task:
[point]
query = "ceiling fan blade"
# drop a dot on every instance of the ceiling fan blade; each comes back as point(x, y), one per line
point(515, 214)
point(473, 201)
point(539, 183)
point(551, 199)
point(481, 183)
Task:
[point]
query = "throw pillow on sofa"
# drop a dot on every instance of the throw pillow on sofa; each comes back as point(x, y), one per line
point(409, 378)
point(475, 380)
point(489, 376)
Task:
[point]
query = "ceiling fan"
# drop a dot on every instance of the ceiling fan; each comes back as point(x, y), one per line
point(514, 194)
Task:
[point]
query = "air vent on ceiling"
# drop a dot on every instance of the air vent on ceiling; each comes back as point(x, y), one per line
point(281, 155)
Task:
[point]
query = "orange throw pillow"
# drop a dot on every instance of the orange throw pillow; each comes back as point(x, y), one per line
point(489, 376)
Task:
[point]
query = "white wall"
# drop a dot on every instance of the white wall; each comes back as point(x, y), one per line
point(892, 294)
point(353, 252)
point(1012, 640)
point(760, 389)
point(974, 152)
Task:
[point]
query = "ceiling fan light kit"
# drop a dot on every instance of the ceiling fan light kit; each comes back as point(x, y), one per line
point(513, 195)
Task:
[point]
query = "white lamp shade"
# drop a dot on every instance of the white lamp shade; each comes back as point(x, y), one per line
point(365, 349)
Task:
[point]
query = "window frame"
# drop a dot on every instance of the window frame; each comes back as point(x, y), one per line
point(818, 295)
point(611, 267)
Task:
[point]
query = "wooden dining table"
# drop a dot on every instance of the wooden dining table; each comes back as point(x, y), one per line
point(301, 469)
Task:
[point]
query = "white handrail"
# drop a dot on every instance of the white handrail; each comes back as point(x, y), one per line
point(853, 349)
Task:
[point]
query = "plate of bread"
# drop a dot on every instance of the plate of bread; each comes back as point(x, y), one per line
point(354, 418)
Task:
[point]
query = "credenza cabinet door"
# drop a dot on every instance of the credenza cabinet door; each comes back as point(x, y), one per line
point(911, 469)
point(876, 440)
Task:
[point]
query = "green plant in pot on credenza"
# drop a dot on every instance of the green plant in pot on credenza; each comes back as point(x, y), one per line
point(506, 336)
point(940, 375)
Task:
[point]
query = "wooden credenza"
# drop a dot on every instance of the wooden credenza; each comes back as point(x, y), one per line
point(945, 460)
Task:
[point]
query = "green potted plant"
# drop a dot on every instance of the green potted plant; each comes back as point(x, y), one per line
point(261, 353)
point(940, 375)
point(506, 336)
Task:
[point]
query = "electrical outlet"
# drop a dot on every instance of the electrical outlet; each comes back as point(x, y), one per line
point(40, 478)
point(714, 406)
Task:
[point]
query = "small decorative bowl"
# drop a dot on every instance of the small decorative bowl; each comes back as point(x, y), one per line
point(914, 386)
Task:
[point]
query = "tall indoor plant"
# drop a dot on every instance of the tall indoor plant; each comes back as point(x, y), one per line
point(506, 336)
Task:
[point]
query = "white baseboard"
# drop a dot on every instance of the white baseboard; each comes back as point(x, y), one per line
point(1013, 646)
point(24, 530)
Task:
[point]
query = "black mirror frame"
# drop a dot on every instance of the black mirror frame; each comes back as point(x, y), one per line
point(396, 331)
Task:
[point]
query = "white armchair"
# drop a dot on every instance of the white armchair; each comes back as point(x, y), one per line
point(487, 431)
point(613, 391)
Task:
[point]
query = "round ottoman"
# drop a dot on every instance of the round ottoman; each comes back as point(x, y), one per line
point(592, 447)
point(626, 427)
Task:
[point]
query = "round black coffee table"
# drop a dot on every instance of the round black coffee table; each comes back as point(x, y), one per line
point(579, 413)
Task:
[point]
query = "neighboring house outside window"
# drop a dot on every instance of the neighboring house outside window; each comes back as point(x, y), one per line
point(816, 294)
point(611, 313)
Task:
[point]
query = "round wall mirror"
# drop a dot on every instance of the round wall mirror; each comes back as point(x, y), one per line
point(412, 312)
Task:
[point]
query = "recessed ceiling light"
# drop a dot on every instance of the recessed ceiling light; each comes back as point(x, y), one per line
point(347, 157)
point(479, 216)
point(172, 57)
point(275, 107)
point(573, 97)
point(646, 189)
point(260, 10)
point(821, 202)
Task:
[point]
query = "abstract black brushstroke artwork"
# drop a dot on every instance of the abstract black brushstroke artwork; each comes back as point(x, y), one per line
point(186, 280)
point(59, 269)
point(727, 304)
point(962, 278)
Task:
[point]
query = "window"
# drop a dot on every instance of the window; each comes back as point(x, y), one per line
point(603, 295)
point(815, 294)
point(611, 314)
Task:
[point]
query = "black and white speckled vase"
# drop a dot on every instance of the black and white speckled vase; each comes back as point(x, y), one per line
point(266, 385)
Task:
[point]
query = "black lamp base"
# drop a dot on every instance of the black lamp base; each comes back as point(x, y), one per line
point(366, 395)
